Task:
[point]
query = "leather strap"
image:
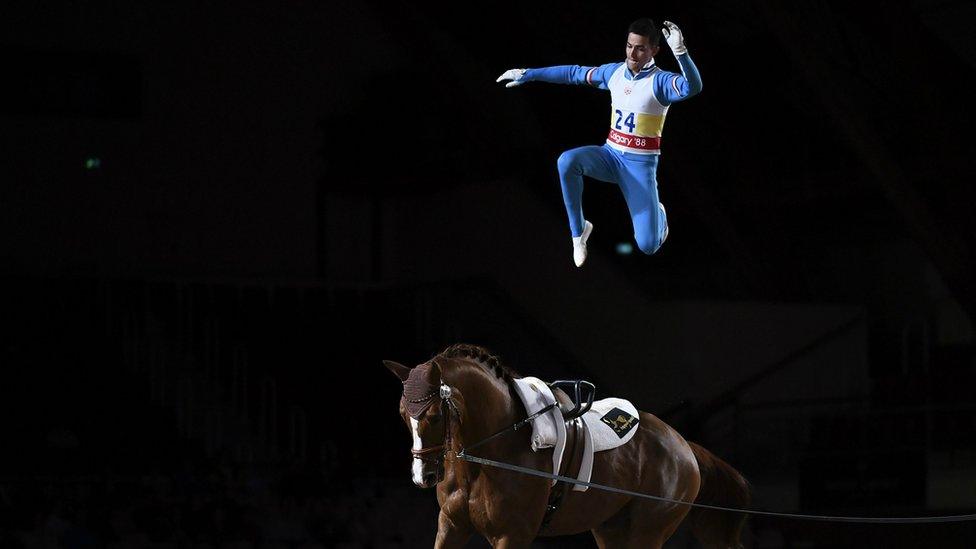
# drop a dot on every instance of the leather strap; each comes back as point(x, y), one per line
point(573, 459)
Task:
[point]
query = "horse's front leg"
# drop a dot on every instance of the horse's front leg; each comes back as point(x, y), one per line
point(451, 533)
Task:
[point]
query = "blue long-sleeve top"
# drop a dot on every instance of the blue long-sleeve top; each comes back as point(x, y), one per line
point(669, 87)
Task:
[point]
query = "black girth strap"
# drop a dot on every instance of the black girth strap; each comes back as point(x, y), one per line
point(573, 459)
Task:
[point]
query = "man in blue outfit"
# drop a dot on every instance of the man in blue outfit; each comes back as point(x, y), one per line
point(640, 94)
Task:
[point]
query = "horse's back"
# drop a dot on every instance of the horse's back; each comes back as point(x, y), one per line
point(669, 461)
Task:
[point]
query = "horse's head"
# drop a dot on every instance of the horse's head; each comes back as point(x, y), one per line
point(428, 407)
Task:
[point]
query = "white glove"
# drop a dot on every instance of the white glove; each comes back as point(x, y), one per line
point(674, 37)
point(514, 75)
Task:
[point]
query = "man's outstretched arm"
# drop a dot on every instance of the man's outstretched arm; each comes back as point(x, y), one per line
point(561, 74)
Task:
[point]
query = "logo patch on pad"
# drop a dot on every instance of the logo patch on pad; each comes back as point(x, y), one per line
point(620, 421)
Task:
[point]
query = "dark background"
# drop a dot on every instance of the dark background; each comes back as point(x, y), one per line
point(217, 218)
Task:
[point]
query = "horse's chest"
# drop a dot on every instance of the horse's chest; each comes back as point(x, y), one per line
point(497, 512)
point(491, 519)
point(475, 507)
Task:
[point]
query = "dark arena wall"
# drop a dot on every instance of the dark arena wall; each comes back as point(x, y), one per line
point(216, 222)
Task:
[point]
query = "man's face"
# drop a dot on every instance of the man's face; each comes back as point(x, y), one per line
point(639, 51)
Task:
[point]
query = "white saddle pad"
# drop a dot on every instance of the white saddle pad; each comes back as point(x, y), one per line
point(613, 422)
point(548, 430)
point(610, 423)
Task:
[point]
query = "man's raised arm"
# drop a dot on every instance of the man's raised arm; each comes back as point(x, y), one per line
point(688, 83)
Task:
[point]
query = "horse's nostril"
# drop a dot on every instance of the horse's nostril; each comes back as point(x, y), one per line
point(430, 478)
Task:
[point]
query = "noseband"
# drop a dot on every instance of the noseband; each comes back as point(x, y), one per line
point(425, 454)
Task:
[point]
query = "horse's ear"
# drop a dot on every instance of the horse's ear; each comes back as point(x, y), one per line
point(398, 369)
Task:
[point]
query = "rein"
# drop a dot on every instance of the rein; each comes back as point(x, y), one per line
point(822, 518)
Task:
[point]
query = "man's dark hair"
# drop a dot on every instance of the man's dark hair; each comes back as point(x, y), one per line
point(646, 27)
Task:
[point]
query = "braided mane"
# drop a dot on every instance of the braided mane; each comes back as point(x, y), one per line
point(482, 357)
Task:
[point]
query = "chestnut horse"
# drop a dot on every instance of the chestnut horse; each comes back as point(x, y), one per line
point(464, 395)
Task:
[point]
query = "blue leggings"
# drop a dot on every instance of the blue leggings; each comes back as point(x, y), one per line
point(636, 174)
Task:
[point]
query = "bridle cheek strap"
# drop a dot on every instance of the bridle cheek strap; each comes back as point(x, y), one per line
point(421, 454)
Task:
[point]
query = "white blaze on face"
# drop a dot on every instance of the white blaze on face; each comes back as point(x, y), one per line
point(418, 464)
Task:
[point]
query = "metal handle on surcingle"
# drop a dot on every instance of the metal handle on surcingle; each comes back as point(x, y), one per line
point(578, 407)
point(589, 400)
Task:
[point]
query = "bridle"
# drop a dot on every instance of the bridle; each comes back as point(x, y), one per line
point(445, 392)
point(429, 453)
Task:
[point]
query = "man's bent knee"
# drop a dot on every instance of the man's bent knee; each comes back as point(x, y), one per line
point(567, 163)
point(648, 245)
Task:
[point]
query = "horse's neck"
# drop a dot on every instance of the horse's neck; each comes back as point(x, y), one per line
point(489, 408)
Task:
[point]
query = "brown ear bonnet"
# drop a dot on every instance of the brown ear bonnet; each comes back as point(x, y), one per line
point(420, 390)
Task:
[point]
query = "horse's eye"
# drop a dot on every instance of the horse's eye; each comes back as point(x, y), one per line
point(434, 419)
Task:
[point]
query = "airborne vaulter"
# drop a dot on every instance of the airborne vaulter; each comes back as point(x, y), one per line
point(640, 94)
